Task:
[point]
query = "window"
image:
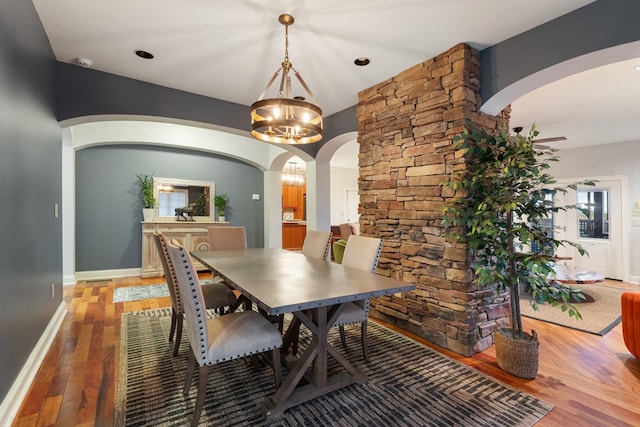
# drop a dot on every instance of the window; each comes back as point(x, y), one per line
point(169, 201)
point(593, 213)
point(546, 225)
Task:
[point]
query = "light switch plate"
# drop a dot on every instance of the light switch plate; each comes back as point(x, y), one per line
point(255, 197)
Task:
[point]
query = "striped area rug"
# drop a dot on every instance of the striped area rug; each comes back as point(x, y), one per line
point(409, 385)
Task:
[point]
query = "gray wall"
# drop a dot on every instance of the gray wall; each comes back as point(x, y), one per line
point(109, 208)
point(596, 26)
point(30, 184)
point(87, 92)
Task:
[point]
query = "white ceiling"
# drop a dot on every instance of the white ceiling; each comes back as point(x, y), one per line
point(230, 49)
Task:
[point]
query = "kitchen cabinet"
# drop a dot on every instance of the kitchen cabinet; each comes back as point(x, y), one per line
point(293, 234)
point(293, 199)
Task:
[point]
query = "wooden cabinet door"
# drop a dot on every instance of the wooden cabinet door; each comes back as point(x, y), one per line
point(293, 236)
point(288, 197)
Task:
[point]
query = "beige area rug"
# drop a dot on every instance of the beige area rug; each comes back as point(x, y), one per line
point(410, 385)
point(598, 317)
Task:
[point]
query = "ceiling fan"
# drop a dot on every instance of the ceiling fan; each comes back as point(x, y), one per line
point(518, 129)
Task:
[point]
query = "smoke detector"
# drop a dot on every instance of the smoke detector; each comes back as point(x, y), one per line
point(82, 62)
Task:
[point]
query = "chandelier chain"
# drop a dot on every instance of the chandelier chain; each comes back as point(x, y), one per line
point(286, 44)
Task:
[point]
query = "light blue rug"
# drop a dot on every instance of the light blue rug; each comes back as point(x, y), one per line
point(135, 293)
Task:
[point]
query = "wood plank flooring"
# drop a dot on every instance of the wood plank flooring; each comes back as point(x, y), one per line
point(591, 380)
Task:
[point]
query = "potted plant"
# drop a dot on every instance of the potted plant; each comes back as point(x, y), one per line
point(221, 201)
point(148, 199)
point(500, 202)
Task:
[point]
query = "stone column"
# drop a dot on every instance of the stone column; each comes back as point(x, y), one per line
point(405, 131)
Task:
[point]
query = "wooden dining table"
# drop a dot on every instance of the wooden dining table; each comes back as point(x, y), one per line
point(315, 291)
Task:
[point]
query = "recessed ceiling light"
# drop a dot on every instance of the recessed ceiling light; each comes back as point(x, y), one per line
point(362, 61)
point(144, 54)
point(637, 67)
point(83, 62)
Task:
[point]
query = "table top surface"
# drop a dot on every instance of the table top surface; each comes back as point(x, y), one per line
point(282, 281)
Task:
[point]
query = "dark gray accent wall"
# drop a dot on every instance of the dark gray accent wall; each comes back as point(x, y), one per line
point(599, 25)
point(87, 92)
point(30, 184)
point(109, 206)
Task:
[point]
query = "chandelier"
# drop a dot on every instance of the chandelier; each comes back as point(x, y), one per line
point(285, 119)
point(293, 178)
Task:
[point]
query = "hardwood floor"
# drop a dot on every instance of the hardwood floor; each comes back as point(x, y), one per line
point(591, 380)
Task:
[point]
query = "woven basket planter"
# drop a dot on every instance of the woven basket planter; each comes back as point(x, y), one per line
point(518, 357)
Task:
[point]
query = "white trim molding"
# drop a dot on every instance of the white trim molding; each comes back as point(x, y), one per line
point(13, 400)
point(107, 274)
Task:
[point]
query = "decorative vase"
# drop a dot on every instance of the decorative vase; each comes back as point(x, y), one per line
point(518, 357)
point(221, 218)
point(148, 214)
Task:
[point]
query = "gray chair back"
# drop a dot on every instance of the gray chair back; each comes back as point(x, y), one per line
point(317, 244)
point(221, 238)
point(169, 273)
point(193, 300)
point(362, 253)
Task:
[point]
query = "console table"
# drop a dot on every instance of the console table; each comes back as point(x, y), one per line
point(192, 234)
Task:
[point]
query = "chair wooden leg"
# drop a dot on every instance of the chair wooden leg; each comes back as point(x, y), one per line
point(203, 373)
point(172, 331)
point(342, 336)
point(191, 366)
point(365, 346)
point(277, 372)
point(176, 345)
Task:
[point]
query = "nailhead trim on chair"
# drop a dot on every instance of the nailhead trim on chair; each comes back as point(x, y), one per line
point(178, 297)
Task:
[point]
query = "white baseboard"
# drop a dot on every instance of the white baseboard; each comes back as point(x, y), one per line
point(106, 274)
point(634, 279)
point(12, 401)
point(69, 280)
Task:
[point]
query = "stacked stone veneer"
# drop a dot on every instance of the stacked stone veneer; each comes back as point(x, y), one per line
point(405, 132)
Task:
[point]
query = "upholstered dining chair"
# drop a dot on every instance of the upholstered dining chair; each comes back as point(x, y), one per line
point(219, 339)
point(232, 237)
point(216, 295)
point(338, 250)
point(345, 231)
point(317, 244)
point(361, 252)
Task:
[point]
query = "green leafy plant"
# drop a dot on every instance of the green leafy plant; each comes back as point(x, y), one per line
point(146, 189)
point(221, 201)
point(500, 202)
point(201, 203)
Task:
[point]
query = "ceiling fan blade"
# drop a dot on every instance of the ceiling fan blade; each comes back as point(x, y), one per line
point(554, 139)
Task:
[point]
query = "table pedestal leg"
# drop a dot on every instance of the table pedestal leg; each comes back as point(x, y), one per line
point(290, 393)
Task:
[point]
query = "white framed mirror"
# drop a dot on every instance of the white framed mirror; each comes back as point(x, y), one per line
point(172, 193)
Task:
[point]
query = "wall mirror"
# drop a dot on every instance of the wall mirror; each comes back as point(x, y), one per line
point(172, 193)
